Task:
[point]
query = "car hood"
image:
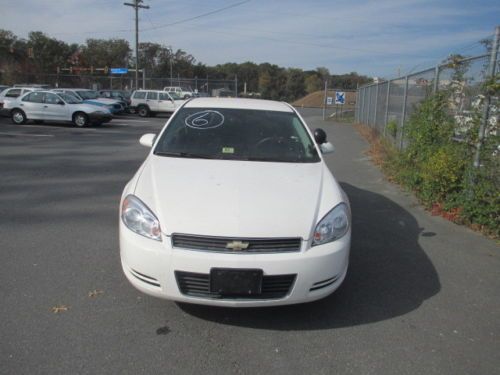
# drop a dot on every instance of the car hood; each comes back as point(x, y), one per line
point(89, 107)
point(232, 198)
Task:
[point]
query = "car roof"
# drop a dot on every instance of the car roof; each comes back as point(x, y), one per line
point(239, 103)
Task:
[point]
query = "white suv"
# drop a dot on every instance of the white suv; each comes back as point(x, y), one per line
point(150, 102)
point(183, 92)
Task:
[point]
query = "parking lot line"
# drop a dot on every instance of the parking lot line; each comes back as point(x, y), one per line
point(27, 135)
point(124, 119)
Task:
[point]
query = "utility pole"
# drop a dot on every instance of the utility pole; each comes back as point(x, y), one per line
point(136, 5)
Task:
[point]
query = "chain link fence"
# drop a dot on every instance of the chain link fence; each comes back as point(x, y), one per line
point(386, 105)
point(204, 86)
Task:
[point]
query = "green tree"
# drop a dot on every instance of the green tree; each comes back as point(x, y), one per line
point(48, 53)
point(106, 52)
point(295, 86)
point(313, 83)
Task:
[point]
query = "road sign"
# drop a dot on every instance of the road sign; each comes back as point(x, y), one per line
point(119, 70)
point(329, 100)
point(339, 97)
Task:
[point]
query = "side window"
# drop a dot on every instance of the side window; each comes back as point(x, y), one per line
point(34, 97)
point(140, 95)
point(51, 98)
point(106, 94)
point(164, 96)
point(13, 93)
point(152, 95)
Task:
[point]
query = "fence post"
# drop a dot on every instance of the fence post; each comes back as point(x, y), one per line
point(403, 114)
point(436, 79)
point(360, 106)
point(386, 115)
point(324, 101)
point(376, 103)
point(365, 102)
point(369, 93)
point(487, 100)
point(144, 78)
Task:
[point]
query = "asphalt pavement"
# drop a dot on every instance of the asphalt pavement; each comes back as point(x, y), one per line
point(421, 295)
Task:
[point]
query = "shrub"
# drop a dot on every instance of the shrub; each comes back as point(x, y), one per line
point(439, 169)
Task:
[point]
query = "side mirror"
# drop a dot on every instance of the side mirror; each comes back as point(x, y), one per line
point(327, 148)
point(60, 102)
point(319, 136)
point(148, 140)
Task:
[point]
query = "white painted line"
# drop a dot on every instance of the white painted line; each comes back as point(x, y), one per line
point(124, 119)
point(27, 135)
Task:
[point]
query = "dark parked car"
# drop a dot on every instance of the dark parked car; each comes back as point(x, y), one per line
point(122, 96)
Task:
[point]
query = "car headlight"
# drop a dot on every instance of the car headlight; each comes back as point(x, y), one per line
point(333, 226)
point(139, 218)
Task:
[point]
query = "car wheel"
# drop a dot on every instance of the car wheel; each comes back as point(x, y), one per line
point(80, 119)
point(18, 117)
point(143, 111)
point(186, 97)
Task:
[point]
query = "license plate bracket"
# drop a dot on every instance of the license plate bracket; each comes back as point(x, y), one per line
point(235, 281)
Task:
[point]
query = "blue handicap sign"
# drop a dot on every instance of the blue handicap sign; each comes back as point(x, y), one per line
point(339, 97)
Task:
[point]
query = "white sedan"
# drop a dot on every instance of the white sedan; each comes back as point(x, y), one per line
point(49, 106)
point(235, 206)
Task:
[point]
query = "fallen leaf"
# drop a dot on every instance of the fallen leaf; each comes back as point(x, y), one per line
point(95, 293)
point(59, 308)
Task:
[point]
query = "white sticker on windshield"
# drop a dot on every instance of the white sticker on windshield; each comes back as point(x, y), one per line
point(207, 119)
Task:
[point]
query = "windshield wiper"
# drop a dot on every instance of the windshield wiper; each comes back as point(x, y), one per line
point(183, 155)
point(276, 160)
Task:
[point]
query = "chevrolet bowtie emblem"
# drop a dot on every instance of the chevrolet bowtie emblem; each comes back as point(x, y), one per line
point(237, 245)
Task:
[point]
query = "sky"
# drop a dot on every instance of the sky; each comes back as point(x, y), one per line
point(376, 38)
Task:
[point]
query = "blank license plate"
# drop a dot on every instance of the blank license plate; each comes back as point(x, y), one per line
point(230, 281)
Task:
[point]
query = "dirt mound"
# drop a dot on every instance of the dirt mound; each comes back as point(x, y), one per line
point(314, 99)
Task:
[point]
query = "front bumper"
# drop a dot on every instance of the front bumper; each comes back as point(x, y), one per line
point(100, 117)
point(150, 267)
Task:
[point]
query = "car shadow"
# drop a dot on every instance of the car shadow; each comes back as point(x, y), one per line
point(389, 275)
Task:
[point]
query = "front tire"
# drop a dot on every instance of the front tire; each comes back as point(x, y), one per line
point(18, 117)
point(143, 111)
point(80, 119)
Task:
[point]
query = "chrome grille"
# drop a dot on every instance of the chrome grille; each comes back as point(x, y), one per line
point(220, 244)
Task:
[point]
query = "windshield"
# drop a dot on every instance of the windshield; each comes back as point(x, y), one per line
point(237, 134)
point(124, 94)
point(88, 94)
point(174, 95)
point(70, 99)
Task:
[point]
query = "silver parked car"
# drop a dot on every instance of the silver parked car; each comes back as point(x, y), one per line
point(49, 106)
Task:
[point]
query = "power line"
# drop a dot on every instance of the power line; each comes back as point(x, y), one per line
point(198, 16)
